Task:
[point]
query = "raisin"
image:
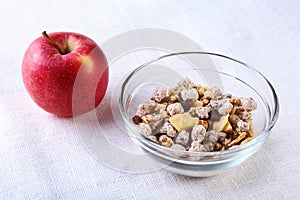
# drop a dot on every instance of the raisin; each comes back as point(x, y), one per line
point(137, 119)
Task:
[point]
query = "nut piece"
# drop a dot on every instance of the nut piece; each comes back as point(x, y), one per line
point(205, 101)
point(182, 138)
point(204, 123)
point(201, 89)
point(235, 101)
point(161, 109)
point(248, 104)
point(198, 103)
point(246, 140)
point(238, 139)
point(159, 94)
point(168, 129)
point(175, 108)
point(234, 119)
point(251, 130)
point(172, 98)
point(189, 94)
point(221, 123)
point(217, 146)
point(202, 112)
point(165, 141)
point(227, 141)
point(198, 133)
point(221, 136)
point(183, 121)
point(145, 129)
point(207, 94)
point(234, 109)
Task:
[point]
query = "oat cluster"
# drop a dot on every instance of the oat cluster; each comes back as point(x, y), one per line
point(195, 118)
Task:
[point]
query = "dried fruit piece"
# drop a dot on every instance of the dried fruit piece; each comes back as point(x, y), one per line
point(137, 119)
point(221, 123)
point(183, 121)
point(227, 128)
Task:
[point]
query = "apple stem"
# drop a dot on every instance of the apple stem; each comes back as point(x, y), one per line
point(59, 48)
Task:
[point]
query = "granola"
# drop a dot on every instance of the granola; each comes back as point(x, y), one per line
point(195, 118)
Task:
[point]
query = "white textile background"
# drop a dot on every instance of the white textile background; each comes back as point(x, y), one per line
point(41, 156)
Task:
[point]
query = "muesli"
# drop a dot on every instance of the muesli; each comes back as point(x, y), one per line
point(194, 118)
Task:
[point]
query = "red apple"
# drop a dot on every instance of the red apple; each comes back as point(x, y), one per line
point(65, 73)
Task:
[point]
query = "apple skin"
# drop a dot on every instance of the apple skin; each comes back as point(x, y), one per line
point(50, 77)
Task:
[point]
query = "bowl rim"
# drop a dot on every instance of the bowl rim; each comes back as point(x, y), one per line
point(264, 134)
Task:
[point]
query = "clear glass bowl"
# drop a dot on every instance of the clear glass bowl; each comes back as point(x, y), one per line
point(212, 70)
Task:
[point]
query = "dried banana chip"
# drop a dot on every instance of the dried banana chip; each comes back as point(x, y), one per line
point(183, 121)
